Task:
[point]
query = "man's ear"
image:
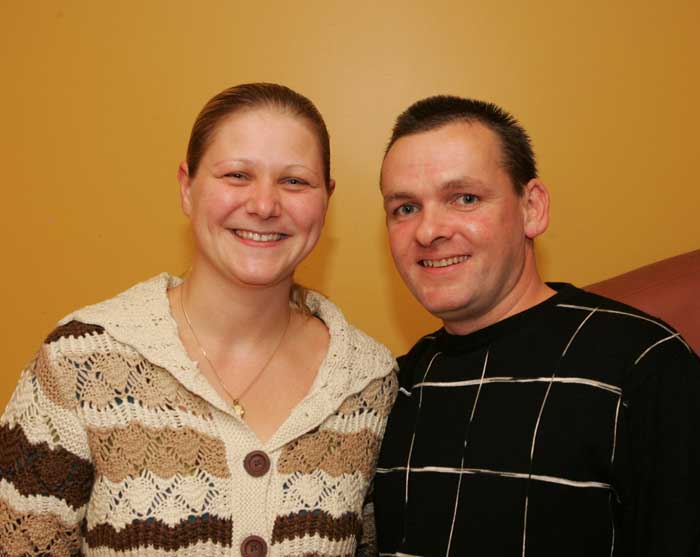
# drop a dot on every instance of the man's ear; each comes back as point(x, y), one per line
point(535, 205)
point(183, 177)
point(331, 187)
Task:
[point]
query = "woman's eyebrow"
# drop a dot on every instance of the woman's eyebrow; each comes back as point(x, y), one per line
point(302, 166)
point(224, 162)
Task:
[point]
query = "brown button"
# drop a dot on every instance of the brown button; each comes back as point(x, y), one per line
point(253, 546)
point(256, 463)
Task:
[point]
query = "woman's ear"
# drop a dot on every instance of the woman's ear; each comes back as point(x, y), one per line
point(183, 177)
point(535, 203)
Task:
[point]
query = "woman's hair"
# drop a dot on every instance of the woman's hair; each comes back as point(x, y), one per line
point(251, 96)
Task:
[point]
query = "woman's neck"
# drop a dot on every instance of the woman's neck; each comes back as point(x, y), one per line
point(229, 313)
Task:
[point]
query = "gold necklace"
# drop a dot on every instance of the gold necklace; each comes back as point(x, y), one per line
point(236, 405)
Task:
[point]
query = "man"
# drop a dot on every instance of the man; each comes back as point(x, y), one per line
point(540, 420)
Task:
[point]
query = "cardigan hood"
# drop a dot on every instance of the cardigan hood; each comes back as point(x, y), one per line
point(140, 318)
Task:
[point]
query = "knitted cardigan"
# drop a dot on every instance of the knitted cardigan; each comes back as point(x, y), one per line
point(115, 444)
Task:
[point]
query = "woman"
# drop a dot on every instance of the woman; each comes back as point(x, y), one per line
point(230, 413)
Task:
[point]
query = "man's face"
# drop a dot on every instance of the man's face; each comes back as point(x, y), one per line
point(456, 225)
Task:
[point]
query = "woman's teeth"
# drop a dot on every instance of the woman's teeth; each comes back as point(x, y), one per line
point(256, 237)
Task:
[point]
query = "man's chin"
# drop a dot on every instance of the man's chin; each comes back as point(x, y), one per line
point(450, 310)
point(442, 309)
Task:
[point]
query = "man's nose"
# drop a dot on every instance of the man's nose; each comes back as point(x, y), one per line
point(264, 200)
point(433, 226)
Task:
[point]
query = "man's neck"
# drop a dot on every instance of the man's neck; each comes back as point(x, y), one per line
point(527, 293)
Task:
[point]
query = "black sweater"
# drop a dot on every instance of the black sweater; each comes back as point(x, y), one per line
point(570, 429)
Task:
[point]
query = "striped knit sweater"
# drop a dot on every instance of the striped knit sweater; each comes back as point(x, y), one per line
point(114, 444)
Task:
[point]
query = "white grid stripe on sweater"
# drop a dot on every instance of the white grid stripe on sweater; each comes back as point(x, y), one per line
point(499, 473)
point(487, 380)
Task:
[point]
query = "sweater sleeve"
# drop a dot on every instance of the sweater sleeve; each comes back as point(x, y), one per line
point(385, 393)
point(659, 455)
point(45, 470)
point(367, 546)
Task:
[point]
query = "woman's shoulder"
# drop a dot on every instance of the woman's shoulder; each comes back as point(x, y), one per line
point(107, 348)
point(137, 320)
point(98, 317)
point(355, 362)
point(348, 338)
point(147, 299)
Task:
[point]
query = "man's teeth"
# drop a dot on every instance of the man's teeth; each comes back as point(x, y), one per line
point(444, 262)
point(270, 237)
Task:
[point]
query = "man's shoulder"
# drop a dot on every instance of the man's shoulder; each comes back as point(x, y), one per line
point(423, 347)
point(612, 320)
point(606, 332)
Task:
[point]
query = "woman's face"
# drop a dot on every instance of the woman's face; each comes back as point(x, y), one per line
point(258, 201)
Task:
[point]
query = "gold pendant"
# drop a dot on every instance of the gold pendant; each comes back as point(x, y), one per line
point(238, 408)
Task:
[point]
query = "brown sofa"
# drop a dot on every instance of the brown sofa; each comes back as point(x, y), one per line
point(669, 289)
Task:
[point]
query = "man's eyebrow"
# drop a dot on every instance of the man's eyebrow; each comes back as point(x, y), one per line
point(397, 196)
point(461, 183)
point(455, 184)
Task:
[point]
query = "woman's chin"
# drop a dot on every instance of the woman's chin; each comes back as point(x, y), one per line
point(261, 280)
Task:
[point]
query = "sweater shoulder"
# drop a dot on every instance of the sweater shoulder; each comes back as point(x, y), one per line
point(616, 321)
point(629, 343)
point(351, 346)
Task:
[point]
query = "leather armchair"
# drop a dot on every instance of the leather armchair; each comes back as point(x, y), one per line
point(669, 289)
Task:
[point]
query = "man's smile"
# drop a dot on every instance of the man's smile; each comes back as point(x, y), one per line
point(445, 262)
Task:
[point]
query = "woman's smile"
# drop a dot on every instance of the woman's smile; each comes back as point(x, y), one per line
point(259, 237)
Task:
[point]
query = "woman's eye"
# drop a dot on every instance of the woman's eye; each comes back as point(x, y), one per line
point(296, 181)
point(405, 209)
point(467, 199)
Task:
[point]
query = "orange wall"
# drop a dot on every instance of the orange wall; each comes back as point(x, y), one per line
point(98, 98)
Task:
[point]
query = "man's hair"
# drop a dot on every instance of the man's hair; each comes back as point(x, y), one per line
point(434, 112)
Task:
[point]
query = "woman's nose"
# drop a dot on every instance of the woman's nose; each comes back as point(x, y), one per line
point(264, 199)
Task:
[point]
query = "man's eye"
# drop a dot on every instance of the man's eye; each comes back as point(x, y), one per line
point(405, 209)
point(236, 175)
point(467, 199)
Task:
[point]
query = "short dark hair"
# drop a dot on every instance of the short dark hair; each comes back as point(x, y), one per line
point(249, 96)
point(440, 110)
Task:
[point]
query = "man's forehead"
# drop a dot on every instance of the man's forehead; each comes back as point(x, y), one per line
point(448, 153)
point(451, 140)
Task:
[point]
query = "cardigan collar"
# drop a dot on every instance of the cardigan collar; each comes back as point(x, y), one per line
point(140, 318)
